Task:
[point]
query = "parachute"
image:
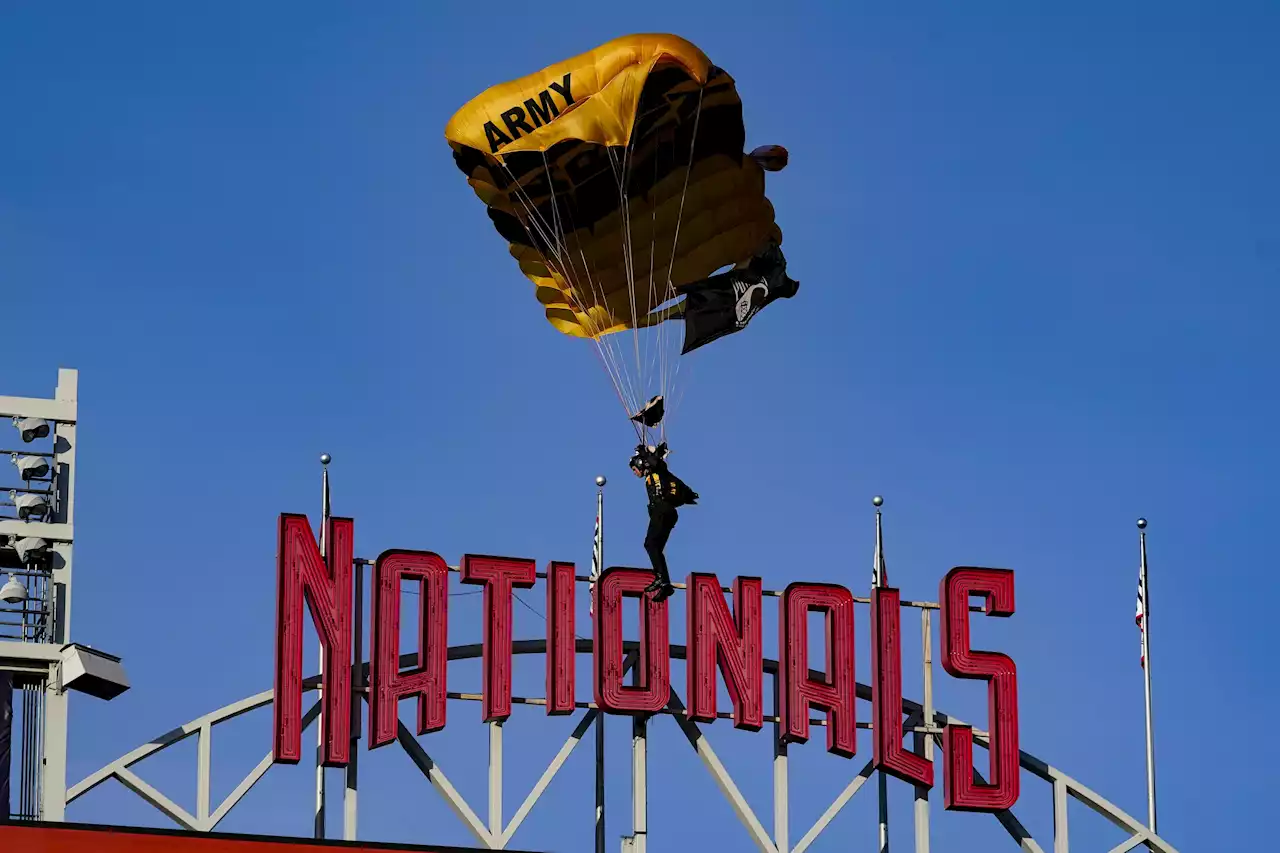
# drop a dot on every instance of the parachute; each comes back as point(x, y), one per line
point(617, 177)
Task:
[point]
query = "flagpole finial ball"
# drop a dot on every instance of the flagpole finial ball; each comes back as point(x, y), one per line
point(1142, 524)
point(877, 501)
point(325, 458)
point(600, 481)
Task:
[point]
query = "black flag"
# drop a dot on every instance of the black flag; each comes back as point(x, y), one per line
point(651, 413)
point(725, 303)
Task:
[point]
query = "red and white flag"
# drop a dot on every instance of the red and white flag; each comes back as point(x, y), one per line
point(597, 546)
point(1138, 618)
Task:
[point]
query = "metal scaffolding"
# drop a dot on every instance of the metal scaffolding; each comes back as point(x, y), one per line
point(37, 523)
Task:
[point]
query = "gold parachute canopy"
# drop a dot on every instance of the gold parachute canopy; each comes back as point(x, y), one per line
point(617, 176)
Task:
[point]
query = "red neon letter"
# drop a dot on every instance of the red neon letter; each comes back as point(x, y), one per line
point(653, 675)
point(326, 586)
point(734, 642)
point(561, 642)
point(499, 576)
point(799, 689)
point(886, 692)
point(428, 682)
point(961, 791)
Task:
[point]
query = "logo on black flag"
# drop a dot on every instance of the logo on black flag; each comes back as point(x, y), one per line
point(725, 303)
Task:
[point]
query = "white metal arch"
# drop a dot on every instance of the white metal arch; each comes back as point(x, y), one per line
point(496, 833)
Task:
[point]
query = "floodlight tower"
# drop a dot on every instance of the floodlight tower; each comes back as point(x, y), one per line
point(38, 661)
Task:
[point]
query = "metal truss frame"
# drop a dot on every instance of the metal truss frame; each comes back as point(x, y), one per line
point(493, 832)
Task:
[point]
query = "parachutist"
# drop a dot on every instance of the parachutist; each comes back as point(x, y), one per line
point(666, 492)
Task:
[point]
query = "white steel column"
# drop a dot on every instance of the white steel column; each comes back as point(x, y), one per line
point(64, 448)
point(883, 783)
point(781, 799)
point(600, 836)
point(53, 751)
point(639, 765)
point(53, 786)
point(495, 779)
point(318, 829)
point(923, 743)
point(639, 784)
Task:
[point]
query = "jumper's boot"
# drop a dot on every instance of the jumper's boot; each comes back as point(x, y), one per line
point(660, 586)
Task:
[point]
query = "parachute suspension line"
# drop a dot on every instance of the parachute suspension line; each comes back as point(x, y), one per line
point(675, 242)
point(562, 238)
point(554, 242)
point(622, 181)
point(630, 401)
point(653, 286)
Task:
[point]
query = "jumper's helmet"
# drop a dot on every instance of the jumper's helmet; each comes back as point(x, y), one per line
point(644, 459)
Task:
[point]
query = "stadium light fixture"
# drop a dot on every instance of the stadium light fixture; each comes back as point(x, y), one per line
point(31, 467)
point(30, 506)
point(28, 547)
point(13, 592)
point(31, 428)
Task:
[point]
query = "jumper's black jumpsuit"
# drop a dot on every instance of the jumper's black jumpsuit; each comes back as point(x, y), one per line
point(663, 516)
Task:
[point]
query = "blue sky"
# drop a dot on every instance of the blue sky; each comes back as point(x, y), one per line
point(1038, 253)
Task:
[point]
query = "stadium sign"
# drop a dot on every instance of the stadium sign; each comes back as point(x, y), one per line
point(723, 639)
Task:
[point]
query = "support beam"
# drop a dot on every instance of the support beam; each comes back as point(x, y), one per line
point(63, 411)
point(721, 776)
point(176, 812)
point(42, 529)
point(834, 809)
point(204, 771)
point(550, 773)
point(442, 784)
point(247, 783)
point(1061, 844)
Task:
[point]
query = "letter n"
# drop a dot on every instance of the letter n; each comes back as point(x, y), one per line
point(325, 585)
point(428, 682)
point(836, 692)
point(886, 692)
point(962, 792)
point(732, 641)
point(652, 691)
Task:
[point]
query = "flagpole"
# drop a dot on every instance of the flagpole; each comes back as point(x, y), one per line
point(1146, 676)
point(879, 578)
point(325, 459)
point(597, 566)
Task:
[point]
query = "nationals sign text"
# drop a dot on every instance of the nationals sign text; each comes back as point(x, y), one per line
point(722, 639)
